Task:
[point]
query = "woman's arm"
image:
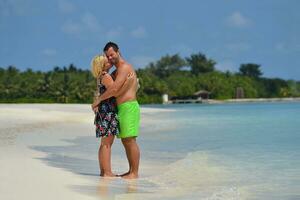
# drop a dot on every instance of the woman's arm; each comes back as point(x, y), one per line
point(96, 94)
point(107, 81)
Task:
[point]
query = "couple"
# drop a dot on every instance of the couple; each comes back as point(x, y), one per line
point(117, 111)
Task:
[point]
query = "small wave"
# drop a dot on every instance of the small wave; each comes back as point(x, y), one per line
point(196, 177)
point(194, 170)
point(231, 193)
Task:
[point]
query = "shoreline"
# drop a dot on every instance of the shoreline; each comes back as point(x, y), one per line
point(254, 100)
point(244, 100)
point(187, 101)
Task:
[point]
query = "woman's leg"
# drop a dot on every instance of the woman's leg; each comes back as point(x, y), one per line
point(100, 162)
point(104, 155)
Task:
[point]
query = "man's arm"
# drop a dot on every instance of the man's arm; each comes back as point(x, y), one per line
point(115, 87)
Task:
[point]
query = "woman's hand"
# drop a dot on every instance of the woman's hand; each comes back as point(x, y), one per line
point(95, 105)
point(95, 109)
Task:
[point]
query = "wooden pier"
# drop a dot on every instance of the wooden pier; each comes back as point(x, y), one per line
point(201, 96)
point(184, 101)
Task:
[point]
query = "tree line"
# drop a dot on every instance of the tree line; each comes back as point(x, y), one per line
point(171, 74)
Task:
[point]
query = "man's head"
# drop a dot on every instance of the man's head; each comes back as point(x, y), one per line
point(112, 53)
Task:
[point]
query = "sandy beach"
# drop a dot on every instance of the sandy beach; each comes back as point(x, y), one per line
point(26, 171)
point(23, 174)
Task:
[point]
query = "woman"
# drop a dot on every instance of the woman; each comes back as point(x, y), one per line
point(106, 119)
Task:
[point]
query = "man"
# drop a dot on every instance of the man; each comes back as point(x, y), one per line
point(128, 107)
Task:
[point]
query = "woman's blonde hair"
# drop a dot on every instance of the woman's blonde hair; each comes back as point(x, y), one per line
point(97, 65)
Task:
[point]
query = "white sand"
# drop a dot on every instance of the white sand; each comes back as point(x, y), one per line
point(23, 174)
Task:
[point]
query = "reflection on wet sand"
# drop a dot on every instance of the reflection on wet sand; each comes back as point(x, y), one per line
point(103, 189)
point(131, 186)
point(109, 187)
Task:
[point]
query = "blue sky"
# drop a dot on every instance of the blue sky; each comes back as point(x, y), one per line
point(43, 34)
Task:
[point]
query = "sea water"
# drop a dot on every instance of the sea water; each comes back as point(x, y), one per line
point(200, 151)
point(233, 151)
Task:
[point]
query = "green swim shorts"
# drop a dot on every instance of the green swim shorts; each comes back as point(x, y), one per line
point(129, 119)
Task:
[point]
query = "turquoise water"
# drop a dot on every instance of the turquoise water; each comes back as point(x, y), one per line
point(254, 148)
point(225, 151)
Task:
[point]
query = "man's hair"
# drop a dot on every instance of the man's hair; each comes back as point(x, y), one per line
point(111, 44)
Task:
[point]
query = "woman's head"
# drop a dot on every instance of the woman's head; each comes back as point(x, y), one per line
point(99, 64)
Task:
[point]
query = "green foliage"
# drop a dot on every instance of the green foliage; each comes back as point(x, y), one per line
point(167, 65)
point(273, 87)
point(200, 64)
point(251, 70)
point(181, 84)
point(61, 85)
point(171, 74)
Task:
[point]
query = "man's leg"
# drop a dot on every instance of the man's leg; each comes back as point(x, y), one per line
point(104, 155)
point(133, 156)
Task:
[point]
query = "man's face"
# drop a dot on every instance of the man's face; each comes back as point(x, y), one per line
point(112, 56)
point(107, 65)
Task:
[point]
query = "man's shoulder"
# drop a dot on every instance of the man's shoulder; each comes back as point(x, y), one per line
point(127, 65)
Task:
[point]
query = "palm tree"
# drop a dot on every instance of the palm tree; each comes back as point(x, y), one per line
point(200, 64)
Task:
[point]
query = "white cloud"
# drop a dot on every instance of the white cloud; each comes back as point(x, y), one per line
point(140, 61)
point(236, 19)
point(49, 52)
point(139, 32)
point(280, 47)
point(66, 6)
point(114, 34)
point(72, 28)
point(87, 25)
point(90, 22)
point(15, 7)
point(284, 47)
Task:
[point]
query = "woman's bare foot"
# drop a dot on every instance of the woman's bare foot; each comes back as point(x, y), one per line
point(108, 175)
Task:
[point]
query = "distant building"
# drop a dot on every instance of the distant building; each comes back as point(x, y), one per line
point(165, 98)
point(197, 97)
point(239, 93)
point(202, 94)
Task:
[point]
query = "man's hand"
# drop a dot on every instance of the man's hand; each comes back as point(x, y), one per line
point(130, 75)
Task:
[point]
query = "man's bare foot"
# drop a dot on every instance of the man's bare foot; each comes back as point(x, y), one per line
point(130, 176)
point(124, 174)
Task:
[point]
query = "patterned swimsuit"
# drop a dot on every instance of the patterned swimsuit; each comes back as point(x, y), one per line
point(106, 119)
